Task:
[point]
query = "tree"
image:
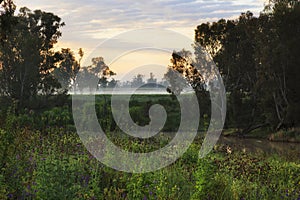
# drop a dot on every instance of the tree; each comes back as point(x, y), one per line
point(67, 68)
point(182, 72)
point(7, 19)
point(279, 62)
point(95, 76)
point(27, 55)
point(113, 83)
point(137, 81)
point(152, 79)
point(258, 60)
point(85, 80)
point(233, 46)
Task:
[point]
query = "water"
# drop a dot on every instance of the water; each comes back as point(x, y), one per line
point(283, 149)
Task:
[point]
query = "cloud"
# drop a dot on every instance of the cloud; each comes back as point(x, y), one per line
point(105, 14)
point(90, 22)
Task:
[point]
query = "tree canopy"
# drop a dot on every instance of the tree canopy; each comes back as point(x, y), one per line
point(26, 52)
point(259, 62)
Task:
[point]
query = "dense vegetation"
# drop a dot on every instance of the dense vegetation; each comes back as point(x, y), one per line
point(258, 58)
point(57, 166)
point(42, 157)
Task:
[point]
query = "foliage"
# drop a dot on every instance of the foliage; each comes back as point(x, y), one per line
point(257, 58)
point(27, 57)
point(57, 165)
point(95, 76)
point(139, 110)
point(67, 68)
point(137, 81)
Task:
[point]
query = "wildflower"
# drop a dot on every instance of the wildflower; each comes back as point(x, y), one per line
point(228, 150)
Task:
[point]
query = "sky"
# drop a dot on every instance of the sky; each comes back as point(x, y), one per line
point(89, 23)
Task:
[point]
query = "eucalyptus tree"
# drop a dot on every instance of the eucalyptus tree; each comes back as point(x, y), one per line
point(27, 55)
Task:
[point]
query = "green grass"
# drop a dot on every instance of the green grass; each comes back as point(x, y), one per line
point(57, 166)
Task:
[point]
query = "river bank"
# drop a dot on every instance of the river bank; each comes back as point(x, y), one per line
point(289, 136)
